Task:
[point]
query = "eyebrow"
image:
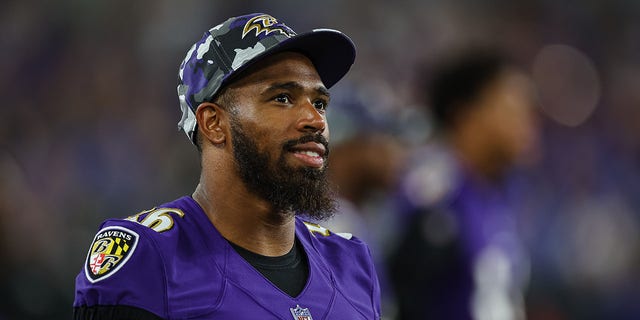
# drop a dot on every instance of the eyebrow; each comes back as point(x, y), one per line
point(295, 86)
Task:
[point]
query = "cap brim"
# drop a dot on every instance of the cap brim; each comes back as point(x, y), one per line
point(330, 51)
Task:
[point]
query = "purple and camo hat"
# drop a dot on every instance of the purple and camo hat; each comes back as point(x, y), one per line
point(232, 46)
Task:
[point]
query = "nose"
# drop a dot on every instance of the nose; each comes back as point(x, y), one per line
point(311, 119)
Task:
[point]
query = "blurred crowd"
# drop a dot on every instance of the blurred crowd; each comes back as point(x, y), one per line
point(89, 131)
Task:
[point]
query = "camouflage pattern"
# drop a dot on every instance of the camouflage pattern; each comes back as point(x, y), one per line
point(236, 43)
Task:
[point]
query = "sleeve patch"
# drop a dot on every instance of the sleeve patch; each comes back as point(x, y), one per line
point(110, 250)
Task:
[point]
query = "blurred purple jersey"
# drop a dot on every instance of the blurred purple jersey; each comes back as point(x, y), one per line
point(173, 262)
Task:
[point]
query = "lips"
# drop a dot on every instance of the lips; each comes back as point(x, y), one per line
point(311, 154)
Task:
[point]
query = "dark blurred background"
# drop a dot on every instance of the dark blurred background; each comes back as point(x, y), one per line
point(89, 118)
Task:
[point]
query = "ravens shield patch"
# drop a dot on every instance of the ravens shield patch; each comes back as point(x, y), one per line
point(299, 313)
point(109, 251)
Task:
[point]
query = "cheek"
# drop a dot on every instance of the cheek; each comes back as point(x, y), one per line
point(260, 136)
point(268, 142)
point(326, 132)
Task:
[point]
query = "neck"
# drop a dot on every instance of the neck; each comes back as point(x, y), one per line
point(243, 218)
point(475, 154)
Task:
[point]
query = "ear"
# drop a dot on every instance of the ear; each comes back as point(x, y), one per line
point(212, 122)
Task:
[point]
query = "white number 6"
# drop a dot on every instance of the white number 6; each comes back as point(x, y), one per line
point(160, 220)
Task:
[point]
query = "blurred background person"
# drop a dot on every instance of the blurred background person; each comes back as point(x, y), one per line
point(461, 255)
point(364, 169)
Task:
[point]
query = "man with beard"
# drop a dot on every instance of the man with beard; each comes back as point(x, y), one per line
point(253, 95)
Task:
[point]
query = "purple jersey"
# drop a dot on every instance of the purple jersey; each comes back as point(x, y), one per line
point(173, 262)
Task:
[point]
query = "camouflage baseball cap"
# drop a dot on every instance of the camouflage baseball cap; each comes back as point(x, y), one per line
point(232, 46)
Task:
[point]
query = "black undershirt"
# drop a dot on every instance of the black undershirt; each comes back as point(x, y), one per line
point(288, 272)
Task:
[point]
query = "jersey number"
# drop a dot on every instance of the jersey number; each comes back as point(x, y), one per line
point(160, 220)
point(316, 228)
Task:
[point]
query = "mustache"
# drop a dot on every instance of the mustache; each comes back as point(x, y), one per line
point(318, 138)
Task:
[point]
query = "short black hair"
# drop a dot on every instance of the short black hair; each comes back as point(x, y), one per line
point(458, 80)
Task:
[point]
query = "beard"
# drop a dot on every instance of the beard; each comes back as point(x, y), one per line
point(305, 191)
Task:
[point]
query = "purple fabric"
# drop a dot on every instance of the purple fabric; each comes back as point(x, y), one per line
point(191, 271)
point(487, 217)
point(483, 225)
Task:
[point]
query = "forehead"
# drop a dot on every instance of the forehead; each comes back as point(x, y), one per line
point(283, 66)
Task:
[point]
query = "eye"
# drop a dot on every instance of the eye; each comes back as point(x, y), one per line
point(320, 104)
point(282, 98)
